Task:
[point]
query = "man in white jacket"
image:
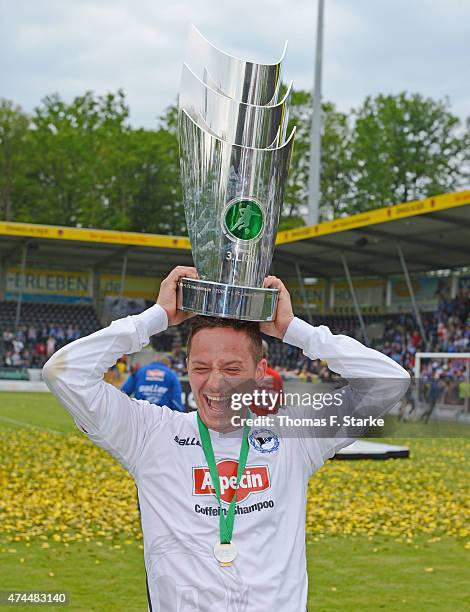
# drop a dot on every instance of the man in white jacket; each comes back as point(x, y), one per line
point(222, 508)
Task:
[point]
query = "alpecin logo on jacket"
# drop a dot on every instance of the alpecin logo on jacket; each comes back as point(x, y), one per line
point(255, 479)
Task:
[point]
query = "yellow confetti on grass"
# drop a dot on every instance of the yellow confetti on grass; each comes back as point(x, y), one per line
point(64, 489)
point(55, 486)
point(402, 498)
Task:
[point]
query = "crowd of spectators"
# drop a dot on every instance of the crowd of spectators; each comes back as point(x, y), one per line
point(31, 346)
point(447, 330)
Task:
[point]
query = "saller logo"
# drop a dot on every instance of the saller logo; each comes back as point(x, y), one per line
point(154, 375)
point(254, 480)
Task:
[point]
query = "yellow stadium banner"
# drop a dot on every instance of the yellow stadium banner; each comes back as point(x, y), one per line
point(428, 290)
point(134, 286)
point(314, 293)
point(38, 284)
point(370, 294)
point(379, 215)
point(94, 235)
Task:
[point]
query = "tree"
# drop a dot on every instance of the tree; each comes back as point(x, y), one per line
point(73, 152)
point(169, 120)
point(335, 162)
point(154, 174)
point(88, 168)
point(14, 125)
point(405, 147)
point(81, 164)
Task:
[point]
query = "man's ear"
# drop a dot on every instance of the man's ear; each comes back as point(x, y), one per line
point(261, 369)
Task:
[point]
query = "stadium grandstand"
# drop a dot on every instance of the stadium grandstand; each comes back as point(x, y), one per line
point(397, 278)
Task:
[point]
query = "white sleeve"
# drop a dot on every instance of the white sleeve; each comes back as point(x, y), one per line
point(376, 383)
point(110, 418)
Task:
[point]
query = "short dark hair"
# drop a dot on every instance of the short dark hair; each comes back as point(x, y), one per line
point(250, 328)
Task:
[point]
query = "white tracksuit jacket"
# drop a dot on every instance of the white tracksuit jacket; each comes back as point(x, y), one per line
point(160, 448)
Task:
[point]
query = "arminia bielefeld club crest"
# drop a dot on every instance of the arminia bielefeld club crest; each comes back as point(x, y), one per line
point(243, 219)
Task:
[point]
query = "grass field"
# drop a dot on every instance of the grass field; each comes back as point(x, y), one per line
point(386, 535)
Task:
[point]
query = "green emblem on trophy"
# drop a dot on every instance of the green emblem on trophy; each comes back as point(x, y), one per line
point(244, 220)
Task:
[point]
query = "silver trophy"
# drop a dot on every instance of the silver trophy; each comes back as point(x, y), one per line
point(235, 157)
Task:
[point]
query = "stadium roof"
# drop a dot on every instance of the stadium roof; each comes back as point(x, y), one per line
point(433, 234)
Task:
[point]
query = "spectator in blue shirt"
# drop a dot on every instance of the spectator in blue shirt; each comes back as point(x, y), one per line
point(156, 383)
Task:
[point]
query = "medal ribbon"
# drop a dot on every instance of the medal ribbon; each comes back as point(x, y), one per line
point(225, 523)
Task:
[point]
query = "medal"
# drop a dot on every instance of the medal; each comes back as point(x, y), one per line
point(224, 551)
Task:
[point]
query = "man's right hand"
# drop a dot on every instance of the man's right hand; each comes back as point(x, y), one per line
point(168, 291)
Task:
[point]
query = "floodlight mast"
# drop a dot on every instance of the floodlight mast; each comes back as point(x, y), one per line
point(315, 127)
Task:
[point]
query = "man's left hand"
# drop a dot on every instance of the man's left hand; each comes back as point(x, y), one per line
point(284, 313)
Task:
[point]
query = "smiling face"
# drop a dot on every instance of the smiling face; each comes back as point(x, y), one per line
point(221, 362)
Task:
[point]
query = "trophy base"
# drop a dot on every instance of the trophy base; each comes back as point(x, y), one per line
point(229, 301)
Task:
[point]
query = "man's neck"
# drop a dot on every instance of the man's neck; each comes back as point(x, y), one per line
point(227, 427)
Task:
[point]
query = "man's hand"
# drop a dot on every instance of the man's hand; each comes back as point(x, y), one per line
point(167, 296)
point(284, 313)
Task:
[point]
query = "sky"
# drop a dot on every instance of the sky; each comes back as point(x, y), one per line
point(370, 47)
